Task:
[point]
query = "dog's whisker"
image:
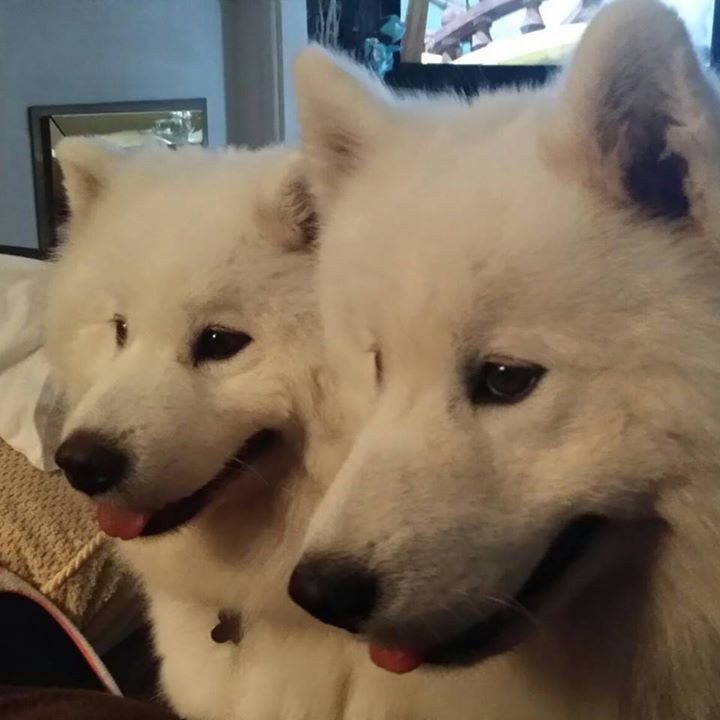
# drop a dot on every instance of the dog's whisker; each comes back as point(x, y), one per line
point(237, 462)
point(519, 608)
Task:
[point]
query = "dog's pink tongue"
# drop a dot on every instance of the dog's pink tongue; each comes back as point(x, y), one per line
point(395, 661)
point(120, 523)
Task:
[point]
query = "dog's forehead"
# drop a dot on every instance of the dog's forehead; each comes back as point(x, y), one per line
point(492, 241)
point(198, 209)
point(185, 243)
point(186, 211)
point(420, 220)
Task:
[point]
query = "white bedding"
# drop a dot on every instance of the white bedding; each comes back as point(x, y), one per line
point(29, 406)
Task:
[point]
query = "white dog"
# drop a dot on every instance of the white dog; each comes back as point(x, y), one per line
point(182, 326)
point(523, 298)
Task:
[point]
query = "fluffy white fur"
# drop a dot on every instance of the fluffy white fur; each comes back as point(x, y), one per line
point(175, 242)
point(533, 225)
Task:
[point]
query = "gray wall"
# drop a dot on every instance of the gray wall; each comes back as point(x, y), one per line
point(261, 40)
point(293, 38)
point(75, 51)
point(252, 80)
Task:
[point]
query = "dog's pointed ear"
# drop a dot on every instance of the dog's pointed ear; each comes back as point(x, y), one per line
point(343, 111)
point(637, 114)
point(87, 164)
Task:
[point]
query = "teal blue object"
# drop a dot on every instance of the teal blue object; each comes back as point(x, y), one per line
point(379, 57)
point(393, 28)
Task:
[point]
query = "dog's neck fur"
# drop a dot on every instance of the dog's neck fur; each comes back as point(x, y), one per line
point(679, 641)
point(642, 642)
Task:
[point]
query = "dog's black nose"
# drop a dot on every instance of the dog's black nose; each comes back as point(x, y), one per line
point(336, 590)
point(92, 462)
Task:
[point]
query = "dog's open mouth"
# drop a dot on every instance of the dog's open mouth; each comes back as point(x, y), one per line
point(129, 524)
point(507, 627)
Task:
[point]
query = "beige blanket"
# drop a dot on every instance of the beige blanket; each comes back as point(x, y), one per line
point(49, 538)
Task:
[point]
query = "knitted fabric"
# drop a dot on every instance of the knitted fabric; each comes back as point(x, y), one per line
point(49, 538)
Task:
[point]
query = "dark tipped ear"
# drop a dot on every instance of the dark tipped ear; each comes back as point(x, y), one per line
point(297, 214)
point(288, 213)
point(343, 112)
point(86, 164)
point(637, 114)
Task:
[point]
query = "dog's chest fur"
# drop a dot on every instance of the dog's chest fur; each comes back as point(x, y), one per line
point(302, 670)
point(233, 647)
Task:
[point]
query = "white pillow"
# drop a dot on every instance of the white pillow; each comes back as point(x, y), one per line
point(30, 408)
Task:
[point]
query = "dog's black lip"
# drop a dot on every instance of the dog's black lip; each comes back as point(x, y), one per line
point(507, 627)
point(178, 513)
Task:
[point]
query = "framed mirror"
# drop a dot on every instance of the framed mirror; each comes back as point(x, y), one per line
point(168, 122)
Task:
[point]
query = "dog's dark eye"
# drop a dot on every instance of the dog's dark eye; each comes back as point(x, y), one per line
point(498, 383)
point(215, 343)
point(121, 330)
